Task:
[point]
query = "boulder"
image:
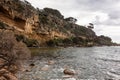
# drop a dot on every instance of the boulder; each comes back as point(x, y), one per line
point(32, 65)
point(69, 72)
point(45, 68)
point(50, 62)
point(6, 75)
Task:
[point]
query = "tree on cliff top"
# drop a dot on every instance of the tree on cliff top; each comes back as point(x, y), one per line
point(54, 12)
point(90, 26)
point(71, 20)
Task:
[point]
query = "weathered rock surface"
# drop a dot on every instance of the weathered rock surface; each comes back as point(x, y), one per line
point(21, 23)
point(51, 62)
point(69, 72)
point(45, 68)
point(6, 75)
point(40, 27)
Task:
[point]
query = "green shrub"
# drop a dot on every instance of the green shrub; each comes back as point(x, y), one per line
point(55, 42)
point(79, 41)
point(51, 43)
point(104, 40)
point(20, 38)
point(20, 7)
point(68, 41)
point(31, 43)
point(43, 17)
point(2, 25)
point(54, 12)
point(27, 41)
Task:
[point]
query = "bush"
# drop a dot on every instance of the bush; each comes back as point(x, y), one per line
point(20, 8)
point(31, 43)
point(2, 25)
point(11, 51)
point(55, 42)
point(78, 40)
point(54, 12)
point(68, 41)
point(20, 38)
point(27, 41)
point(71, 20)
point(103, 40)
point(51, 43)
point(43, 17)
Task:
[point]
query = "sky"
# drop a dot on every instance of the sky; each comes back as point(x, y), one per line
point(104, 14)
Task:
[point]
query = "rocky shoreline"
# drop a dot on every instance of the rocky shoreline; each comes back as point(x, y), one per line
point(23, 26)
point(46, 27)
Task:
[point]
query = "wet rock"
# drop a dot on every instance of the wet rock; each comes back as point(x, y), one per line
point(50, 62)
point(69, 72)
point(27, 70)
point(13, 69)
point(2, 78)
point(67, 76)
point(37, 79)
point(32, 64)
point(109, 79)
point(45, 68)
point(22, 69)
point(70, 79)
point(6, 75)
point(60, 70)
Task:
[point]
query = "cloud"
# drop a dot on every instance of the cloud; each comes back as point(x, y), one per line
point(114, 14)
point(110, 31)
point(105, 14)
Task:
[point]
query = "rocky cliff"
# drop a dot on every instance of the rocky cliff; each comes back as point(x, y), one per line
point(44, 27)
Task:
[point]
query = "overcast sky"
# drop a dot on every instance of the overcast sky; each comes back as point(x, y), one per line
point(104, 14)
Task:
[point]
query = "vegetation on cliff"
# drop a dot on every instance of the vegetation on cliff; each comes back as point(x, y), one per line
point(104, 40)
point(37, 27)
point(21, 23)
point(27, 41)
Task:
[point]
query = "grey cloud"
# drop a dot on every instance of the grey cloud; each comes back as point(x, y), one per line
point(76, 8)
point(112, 22)
point(97, 4)
point(114, 14)
point(97, 20)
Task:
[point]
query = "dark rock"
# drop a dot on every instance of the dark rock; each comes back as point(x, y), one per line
point(32, 64)
point(69, 72)
point(27, 71)
point(109, 79)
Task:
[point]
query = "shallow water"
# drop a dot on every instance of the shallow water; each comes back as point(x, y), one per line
point(93, 63)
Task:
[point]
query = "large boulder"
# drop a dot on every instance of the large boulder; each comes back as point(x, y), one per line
point(69, 72)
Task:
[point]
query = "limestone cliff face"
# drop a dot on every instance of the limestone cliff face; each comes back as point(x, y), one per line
point(41, 25)
point(20, 15)
point(26, 19)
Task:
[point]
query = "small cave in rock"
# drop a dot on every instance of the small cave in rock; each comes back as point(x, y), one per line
point(7, 18)
point(20, 23)
point(4, 12)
